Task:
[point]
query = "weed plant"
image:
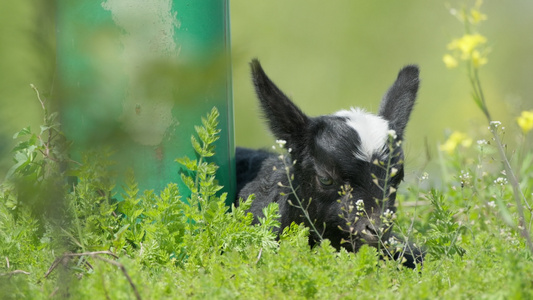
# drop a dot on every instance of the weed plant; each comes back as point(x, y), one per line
point(65, 239)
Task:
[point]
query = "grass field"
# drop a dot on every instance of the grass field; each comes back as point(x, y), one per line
point(472, 213)
point(78, 242)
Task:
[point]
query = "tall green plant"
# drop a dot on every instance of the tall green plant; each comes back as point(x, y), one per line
point(471, 48)
point(209, 228)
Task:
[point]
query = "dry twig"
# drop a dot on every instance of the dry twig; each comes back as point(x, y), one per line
point(96, 255)
point(14, 273)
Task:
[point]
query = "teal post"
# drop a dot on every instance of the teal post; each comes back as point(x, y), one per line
point(138, 75)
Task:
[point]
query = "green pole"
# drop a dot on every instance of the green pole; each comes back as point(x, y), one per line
point(138, 75)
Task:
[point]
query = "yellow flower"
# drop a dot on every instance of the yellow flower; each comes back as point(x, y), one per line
point(467, 43)
point(525, 121)
point(456, 138)
point(477, 59)
point(449, 61)
point(476, 16)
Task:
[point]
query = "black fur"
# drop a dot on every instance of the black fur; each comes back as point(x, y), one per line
point(324, 160)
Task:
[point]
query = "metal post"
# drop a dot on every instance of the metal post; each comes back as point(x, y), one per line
point(138, 75)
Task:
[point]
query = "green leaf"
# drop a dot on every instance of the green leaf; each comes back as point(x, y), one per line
point(136, 213)
point(15, 167)
point(188, 181)
point(52, 117)
point(189, 164)
point(22, 132)
point(196, 146)
point(45, 128)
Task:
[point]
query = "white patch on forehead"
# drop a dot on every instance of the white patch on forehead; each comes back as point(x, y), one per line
point(372, 130)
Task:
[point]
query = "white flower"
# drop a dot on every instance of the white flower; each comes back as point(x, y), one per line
point(501, 181)
point(360, 204)
point(281, 143)
point(392, 134)
point(491, 204)
point(388, 214)
point(465, 177)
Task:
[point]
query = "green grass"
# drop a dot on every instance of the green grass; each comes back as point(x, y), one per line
point(156, 246)
point(63, 239)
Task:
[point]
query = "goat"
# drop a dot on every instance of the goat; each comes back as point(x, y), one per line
point(343, 168)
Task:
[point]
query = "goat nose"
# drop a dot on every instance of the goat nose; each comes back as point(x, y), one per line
point(370, 230)
point(370, 233)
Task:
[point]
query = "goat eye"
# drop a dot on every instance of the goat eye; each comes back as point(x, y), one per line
point(325, 180)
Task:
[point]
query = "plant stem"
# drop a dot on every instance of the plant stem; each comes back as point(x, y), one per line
point(517, 192)
point(300, 205)
point(479, 90)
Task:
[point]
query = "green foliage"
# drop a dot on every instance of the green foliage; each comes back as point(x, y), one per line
point(154, 234)
point(40, 153)
point(155, 246)
point(209, 229)
point(161, 246)
point(444, 230)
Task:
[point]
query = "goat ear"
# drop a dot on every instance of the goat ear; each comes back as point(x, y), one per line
point(399, 100)
point(286, 120)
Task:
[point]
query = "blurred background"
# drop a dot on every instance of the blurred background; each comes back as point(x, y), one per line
point(326, 56)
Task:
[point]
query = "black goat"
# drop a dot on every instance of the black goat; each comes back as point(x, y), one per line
point(345, 167)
